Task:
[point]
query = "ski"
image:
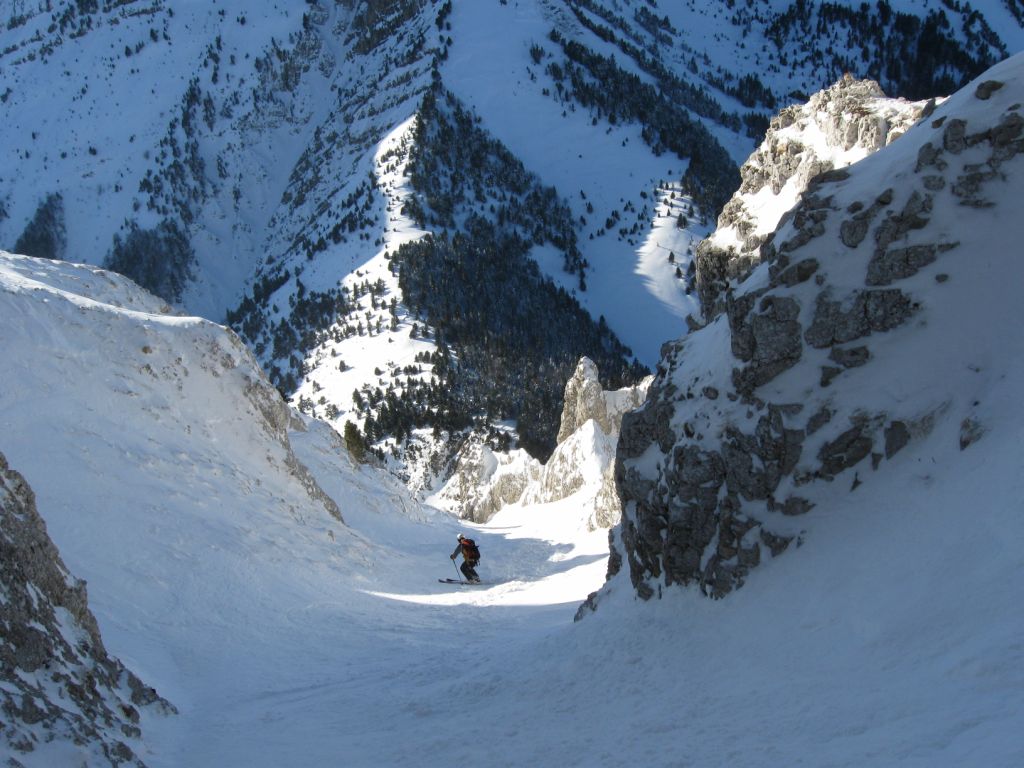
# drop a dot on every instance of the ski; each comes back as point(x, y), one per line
point(459, 581)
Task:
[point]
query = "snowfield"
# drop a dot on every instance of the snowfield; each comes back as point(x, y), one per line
point(892, 637)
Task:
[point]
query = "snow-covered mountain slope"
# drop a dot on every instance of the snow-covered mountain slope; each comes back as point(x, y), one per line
point(180, 487)
point(218, 572)
point(125, 350)
point(150, 440)
point(891, 638)
point(876, 347)
point(249, 163)
point(163, 465)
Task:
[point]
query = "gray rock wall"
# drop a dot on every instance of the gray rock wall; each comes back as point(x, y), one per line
point(58, 681)
point(851, 115)
point(718, 466)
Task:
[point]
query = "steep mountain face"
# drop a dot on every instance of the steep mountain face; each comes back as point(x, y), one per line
point(128, 345)
point(63, 698)
point(485, 480)
point(873, 339)
point(306, 173)
point(177, 482)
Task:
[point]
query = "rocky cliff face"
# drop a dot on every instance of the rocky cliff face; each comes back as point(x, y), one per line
point(58, 686)
point(877, 321)
point(485, 481)
point(837, 127)
point(584, 457)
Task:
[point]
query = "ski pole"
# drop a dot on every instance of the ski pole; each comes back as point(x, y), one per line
point(456, 569)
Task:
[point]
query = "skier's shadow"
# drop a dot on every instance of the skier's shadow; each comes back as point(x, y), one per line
point(534, 559)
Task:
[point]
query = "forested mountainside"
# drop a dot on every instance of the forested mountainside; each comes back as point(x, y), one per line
point(373, 194)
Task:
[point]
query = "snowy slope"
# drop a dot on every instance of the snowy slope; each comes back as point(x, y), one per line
point(169, 473)
point(884, 641)
point(133, 425)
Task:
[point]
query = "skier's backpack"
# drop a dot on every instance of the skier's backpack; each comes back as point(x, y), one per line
point(470, 551)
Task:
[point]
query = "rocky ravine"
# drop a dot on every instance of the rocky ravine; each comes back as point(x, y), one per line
point(484, 480)
point(57, 683)
point(834, 355)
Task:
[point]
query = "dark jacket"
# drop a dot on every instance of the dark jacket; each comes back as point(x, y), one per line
point(467, 553)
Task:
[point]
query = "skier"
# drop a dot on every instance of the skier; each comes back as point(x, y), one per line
point(470, 557)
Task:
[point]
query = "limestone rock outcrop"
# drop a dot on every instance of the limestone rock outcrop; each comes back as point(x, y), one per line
point(57, 682)
point(485, 480)
point(587, 435)
point(834, 357)
point(585, 400)
point(837, 127)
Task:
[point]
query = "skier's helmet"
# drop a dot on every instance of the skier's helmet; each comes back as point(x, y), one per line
point(461, 537)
